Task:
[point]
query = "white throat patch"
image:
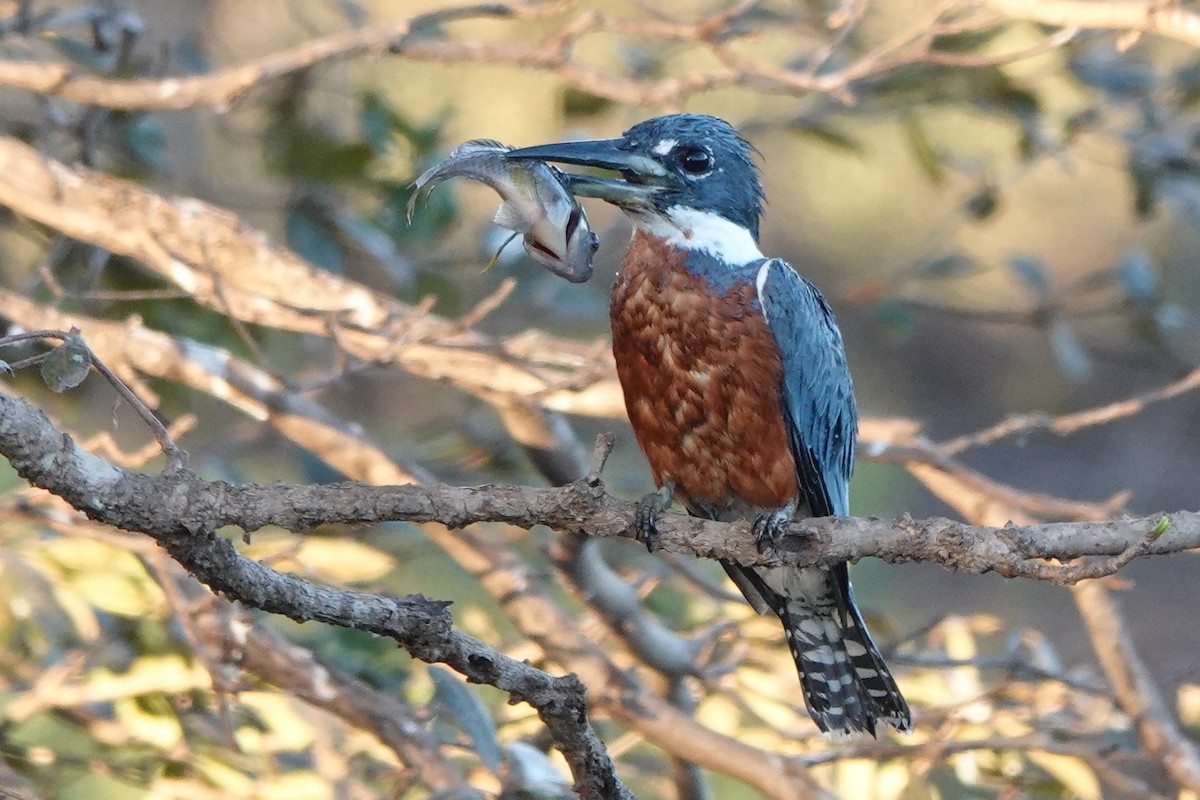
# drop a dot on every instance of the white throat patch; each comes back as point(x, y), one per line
point(689, 229)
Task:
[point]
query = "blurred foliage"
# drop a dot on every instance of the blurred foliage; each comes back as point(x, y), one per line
point(102, 692)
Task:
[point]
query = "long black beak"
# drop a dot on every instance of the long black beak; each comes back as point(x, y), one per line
point(603, 153)
point(644, 176)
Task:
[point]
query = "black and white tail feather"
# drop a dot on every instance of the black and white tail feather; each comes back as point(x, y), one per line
point(847, 687)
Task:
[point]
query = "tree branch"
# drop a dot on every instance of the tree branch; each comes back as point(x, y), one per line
point(177, 505)
point(224, 87)
point(53, 461)
point(520, 592)
point(1123, 666)
point(204, 250)
point(1147, 16)
point(1134, 687)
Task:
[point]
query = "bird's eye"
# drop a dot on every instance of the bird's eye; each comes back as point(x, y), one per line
point(695, 160)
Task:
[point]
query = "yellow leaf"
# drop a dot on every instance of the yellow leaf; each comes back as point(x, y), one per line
point(1070, 772)
point(333, 560)
point(160, 730)
point(91, 787)
point(226, 776)
point(114, 593)
point(1187, 700)
point(85, 555)
point(297, 786)
point(285, 730)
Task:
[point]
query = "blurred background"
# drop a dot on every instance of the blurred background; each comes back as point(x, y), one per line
point(1005, 216)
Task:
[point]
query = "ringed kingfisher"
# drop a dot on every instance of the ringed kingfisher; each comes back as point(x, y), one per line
point(736, 383)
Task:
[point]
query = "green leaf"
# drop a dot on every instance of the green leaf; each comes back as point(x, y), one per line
point(826, 134)
point(952, 265)
point(923, 149)
point(380, 122)
point(313, 240)
point(97, 786)
point(66, 366)
point(1177, 331)
point(1145, 185)
point(997, 89)
point(377, 121)
point(578, 103)
point(1031, 272)
point(1119, 76)
point(1138, 277)
point(83, 52)
point(984, 202)
point(1081, 122)
point(964, 41)
point(1182, 194)
point(531, 775)
point(305, 152)
point(1072, 357)
point(1072, 773)
point(896, 316)
point(144, 140)
point(1187, 84)
point(372, 240)
point(470, 713)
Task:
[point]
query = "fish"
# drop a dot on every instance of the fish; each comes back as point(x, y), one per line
point(537, 202)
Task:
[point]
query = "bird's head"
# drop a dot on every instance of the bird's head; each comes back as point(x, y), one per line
point(687, 177)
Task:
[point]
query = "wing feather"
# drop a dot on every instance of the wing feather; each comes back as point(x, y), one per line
point(816, 393)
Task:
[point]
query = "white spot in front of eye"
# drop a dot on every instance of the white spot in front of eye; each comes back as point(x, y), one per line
point(664, 146)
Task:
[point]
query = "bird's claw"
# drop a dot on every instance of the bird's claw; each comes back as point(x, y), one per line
point(768, 527)
point(645, 518)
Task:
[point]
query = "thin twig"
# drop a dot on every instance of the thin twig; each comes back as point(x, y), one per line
point(176, 458)
point(1071, 423)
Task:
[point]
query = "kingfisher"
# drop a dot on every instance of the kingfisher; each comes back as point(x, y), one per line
point(736, 384)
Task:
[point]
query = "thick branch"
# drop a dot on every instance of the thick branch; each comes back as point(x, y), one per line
point(1127, 673)
point(204, 250)
point(262, 652)
point(53, 461)
point(520, 591)
point(175, 506)
point(223, 87)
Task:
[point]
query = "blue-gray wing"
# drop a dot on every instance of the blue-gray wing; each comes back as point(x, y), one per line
point(816, 394)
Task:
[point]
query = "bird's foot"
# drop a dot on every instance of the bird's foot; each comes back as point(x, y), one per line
point(645, 519)
point(768, 527)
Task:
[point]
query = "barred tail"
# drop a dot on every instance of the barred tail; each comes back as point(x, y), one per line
point(847, 686)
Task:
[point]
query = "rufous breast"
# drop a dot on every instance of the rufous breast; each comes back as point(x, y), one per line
point(701, 375)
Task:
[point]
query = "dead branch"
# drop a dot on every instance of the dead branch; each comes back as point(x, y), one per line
point(294, 669)
point(554, 53)
point(1145, 16)
point(1123, 666)
point(1070, 423)
point(178, 504)
point(1135, 689)
point(421, 626)
point(519, 591)
point(205, 251)
point(224, 87)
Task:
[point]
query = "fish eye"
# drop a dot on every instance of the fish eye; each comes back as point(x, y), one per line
point(695, 160)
